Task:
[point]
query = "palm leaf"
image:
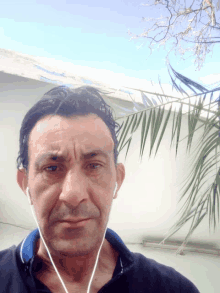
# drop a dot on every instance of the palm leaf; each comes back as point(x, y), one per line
point(163, 130)
point(153, 119)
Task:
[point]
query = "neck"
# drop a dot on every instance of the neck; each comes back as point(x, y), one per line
point(78, 269)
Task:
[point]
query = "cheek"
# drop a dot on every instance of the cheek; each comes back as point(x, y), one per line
point(105, 205)
point(45, 202)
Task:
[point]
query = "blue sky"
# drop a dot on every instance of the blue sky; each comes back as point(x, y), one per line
point(93, 34)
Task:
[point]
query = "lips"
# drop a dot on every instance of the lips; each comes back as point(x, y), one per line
point(74, 221)
point(76, 224)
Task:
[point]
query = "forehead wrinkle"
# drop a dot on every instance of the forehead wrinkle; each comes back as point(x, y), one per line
point(56, 156)
point(49, 156)
point(55, 149)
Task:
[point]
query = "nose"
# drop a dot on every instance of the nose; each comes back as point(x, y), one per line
point(74, 189)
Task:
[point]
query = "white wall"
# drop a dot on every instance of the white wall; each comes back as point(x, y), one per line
point(147, 201)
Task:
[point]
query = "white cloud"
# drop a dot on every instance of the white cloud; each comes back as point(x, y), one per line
point(210, 79)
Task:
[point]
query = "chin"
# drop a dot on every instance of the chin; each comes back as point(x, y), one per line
point(73, 248)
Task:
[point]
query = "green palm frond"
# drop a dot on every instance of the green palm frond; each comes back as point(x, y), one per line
point(154, 124)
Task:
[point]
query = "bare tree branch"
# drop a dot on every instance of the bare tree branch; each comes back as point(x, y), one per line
point(195, 23)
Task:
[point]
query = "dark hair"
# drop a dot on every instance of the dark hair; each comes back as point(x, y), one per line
point(66, 102)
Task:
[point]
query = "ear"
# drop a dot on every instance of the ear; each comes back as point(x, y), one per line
point(22, 179)
point(120, 177)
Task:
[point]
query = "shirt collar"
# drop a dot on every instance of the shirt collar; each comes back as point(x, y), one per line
point(28, 245)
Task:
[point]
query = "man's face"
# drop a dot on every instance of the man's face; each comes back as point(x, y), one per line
point(66, 186)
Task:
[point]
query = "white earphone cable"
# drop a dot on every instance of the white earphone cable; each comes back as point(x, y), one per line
point(32, 209)
point(35, 218)
point(90, 282)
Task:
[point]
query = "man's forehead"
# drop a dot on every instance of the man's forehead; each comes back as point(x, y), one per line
point(57, 144)
point(53, 122)
point(91, 125)
point(74, 146)
point(79, 147)
point(65, 156)
point(61, 128)
point(89, 153)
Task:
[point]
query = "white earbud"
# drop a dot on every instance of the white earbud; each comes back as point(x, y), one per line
point(28, 195)
point(116, 186)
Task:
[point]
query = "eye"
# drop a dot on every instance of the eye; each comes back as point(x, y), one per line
point(95, 164)
point(54, 169)
point(51, 167)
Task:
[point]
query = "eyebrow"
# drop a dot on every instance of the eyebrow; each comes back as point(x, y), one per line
point(61, 158)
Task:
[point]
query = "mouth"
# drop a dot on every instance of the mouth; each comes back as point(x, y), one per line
point(74, 224)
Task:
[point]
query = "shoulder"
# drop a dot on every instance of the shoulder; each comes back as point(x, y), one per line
point(7, 254)
point(10, 278)
point(7, 261)
point(160, 276)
